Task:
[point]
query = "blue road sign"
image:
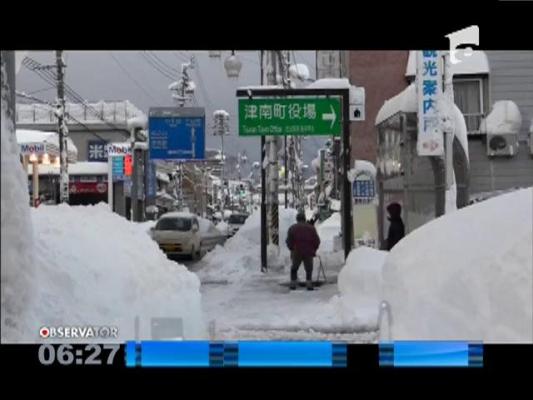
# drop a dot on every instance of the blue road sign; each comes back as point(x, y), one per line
point(364, 189)
point(176, 133)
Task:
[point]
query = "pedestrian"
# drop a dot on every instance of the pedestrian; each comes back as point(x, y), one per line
point(303, 242)
point(396, 228)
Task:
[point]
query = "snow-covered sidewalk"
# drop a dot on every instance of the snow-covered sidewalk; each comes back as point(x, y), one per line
point(262, 307)
point(240, 302)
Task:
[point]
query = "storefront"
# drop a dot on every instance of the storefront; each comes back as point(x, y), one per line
point(416, 182)
point(39, 155)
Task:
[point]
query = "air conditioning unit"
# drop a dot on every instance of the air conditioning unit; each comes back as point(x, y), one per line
point(502, 145)
point(502, 127)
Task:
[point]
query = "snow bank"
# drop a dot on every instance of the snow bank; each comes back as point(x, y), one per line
point(241, 254)
point(360, 285)
point(466, 275)
point(504, 118)
point(17, 235)
point(94, 267)
point(327, 230)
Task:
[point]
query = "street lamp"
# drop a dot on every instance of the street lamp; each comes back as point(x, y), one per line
point(232, 65)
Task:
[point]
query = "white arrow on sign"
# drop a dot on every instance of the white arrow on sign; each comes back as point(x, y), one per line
point(330, 116)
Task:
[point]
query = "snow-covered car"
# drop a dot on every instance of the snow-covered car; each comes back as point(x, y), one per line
point(235, 221)
point(178, 233)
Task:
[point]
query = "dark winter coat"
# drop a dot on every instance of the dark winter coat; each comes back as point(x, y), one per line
point(303, 239)
point(396, 228)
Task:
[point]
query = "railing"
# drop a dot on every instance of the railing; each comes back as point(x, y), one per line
point(116, 111)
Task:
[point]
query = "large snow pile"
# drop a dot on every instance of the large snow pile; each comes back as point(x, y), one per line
point(241, 254)
point(466, 275)
point(94, 267)
point(504, 118)
point(359, 283)
point(327, 230)
point(17, 234)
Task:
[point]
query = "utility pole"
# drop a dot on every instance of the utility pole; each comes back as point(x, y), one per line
point(182, 88)
point(273, 176)
point(62, 128)
point(264, 228)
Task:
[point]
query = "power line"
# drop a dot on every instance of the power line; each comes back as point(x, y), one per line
point(131, 77)
point(169, 68)
point(49, 77)
point(156, 67)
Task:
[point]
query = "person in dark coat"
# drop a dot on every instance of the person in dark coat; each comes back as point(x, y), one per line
point(302, 241)
point(396, 228)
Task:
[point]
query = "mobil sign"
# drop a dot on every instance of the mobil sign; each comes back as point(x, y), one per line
point(119, 149)
point(32, 148)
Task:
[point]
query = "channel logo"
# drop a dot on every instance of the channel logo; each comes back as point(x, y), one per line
point(78, 332)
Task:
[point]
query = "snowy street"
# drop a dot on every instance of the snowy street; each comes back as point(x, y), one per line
point(185, 218)
point(264, 308)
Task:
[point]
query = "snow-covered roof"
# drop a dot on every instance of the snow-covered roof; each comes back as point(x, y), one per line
point(164, 195)
point(162, 176)
point(362, 166)
point(405, 101)
point(79, 168)
point(139, 121)
point(504, 118)
point(477, 63)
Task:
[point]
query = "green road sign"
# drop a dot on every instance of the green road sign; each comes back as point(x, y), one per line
point(302, 116)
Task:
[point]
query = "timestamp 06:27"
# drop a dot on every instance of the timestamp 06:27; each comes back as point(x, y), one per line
point(67, 354)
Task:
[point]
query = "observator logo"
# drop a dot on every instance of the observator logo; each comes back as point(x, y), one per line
point(81, 332)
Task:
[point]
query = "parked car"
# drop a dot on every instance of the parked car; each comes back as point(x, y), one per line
point(178, 234)
point(235, 221)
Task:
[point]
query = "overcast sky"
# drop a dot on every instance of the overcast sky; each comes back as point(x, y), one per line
point(134, 76)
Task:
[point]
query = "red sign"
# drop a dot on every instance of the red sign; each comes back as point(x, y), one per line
point(88, 187)
point(128, 167)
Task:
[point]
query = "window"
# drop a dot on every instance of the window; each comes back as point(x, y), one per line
point(468, 95)
point(237, 219)
point(174, 224)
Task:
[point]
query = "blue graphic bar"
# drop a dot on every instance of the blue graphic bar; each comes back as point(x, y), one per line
point(285, 354)
point(430, 354)
point(235, 354)
point(167, 354)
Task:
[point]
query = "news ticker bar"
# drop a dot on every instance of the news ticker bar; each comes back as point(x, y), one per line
point(318, 354)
